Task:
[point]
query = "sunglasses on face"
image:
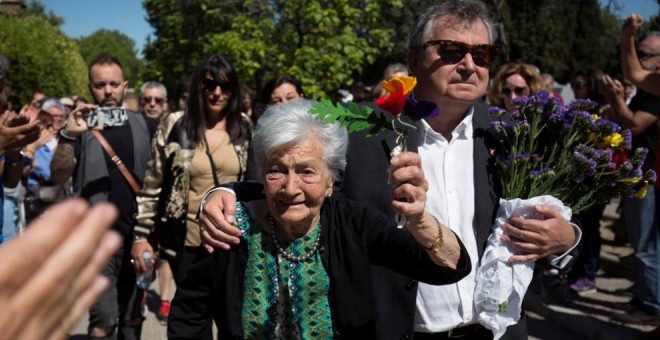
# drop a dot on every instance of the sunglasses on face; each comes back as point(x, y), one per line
point(212, 84)
point(453, 52)
point(148, 100)
point(518, 90)
point(645, 55)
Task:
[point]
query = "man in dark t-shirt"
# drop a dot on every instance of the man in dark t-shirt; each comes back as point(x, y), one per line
point(97, 177)
point(641, 117)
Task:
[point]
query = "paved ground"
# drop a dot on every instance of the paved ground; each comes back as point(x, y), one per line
point(552, 313)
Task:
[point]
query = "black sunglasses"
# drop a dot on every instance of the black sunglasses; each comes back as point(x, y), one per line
point(453, 52)
point(148, 100)
point(518, 90)
point(212, 84)
point(644, 55)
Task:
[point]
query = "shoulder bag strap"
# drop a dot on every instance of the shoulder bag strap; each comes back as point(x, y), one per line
point(115, 159)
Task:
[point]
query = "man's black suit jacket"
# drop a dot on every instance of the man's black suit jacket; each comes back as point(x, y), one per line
point(365, 180)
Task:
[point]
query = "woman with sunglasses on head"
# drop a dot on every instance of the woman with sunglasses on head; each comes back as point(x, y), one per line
point(192, 151)
point(513, 80)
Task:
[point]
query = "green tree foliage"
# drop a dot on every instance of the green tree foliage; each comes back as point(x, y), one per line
point(116, 44)
point(560, 36)
point(41, 58)
point(36, 8)
point(324, 43)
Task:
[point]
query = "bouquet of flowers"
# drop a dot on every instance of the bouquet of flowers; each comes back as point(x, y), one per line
point(559, 155)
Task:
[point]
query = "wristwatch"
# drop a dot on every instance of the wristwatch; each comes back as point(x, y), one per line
point(437, 244)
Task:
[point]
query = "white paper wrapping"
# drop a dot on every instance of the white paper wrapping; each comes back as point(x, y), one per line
point(501, 286)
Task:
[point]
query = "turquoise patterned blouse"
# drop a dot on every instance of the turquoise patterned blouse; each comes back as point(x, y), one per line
point(283, 299)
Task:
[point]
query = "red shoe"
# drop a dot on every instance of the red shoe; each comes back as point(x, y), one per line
point(163, 312)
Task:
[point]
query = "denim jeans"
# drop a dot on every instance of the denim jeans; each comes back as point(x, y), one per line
point(643, 235)
point(10, 219)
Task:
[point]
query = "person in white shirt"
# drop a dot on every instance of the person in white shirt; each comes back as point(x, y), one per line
point(449, 54)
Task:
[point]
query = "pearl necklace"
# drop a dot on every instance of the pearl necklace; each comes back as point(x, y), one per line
point(288, 255)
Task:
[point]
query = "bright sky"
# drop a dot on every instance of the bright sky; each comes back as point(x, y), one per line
point(645, 8)
point(84, 17)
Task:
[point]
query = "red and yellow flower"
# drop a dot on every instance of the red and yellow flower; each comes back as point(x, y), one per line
point(399, 88)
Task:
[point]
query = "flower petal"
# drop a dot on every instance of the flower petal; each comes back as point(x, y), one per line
point(405, 83)
point(392, 103)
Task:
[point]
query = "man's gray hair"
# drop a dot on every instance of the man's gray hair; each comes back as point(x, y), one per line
point(291, 123)
point(152, 84)
point(465, 10)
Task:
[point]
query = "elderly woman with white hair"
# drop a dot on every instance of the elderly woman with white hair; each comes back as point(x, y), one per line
point(302, 269)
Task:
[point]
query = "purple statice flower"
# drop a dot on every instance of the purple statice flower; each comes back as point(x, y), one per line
point(650, 176)
point(499, 128)
point(586, 167)
point(625, 169)
point(637, 172)
point(520, 101)
point(583, 118)
point(627, 139)
point(582, 105)
point(638, 156)
point(522, 157)
point(419, 109)
point(496, 112)
point(521, 127)
point(542, 173)
point(588, 151)
point(605, 155)
point(607, 127)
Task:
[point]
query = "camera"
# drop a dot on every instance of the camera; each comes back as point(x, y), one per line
point(107, 117)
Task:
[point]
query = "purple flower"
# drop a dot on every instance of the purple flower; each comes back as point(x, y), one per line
point(582, 105)
point(542, 173)
point(605, 155)
point(419, 109)
point(625, 169)
point(650, 176)
point(499, 128)
point(583, 118)
point(627, 139)
point(607, 127)
point(496, 112)
point(585, 166)
point(521, 127)
point(504, 162)
point(638, 156)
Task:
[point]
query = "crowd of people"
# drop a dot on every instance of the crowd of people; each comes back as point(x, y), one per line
point(275, 224)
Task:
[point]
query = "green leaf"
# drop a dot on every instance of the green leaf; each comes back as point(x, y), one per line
point(355, 117)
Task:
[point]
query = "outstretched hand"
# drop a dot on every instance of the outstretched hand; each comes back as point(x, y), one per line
point(50, 275)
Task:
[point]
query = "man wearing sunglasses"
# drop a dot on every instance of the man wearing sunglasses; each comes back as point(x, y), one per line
point(450, 49)
point(153, 99)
